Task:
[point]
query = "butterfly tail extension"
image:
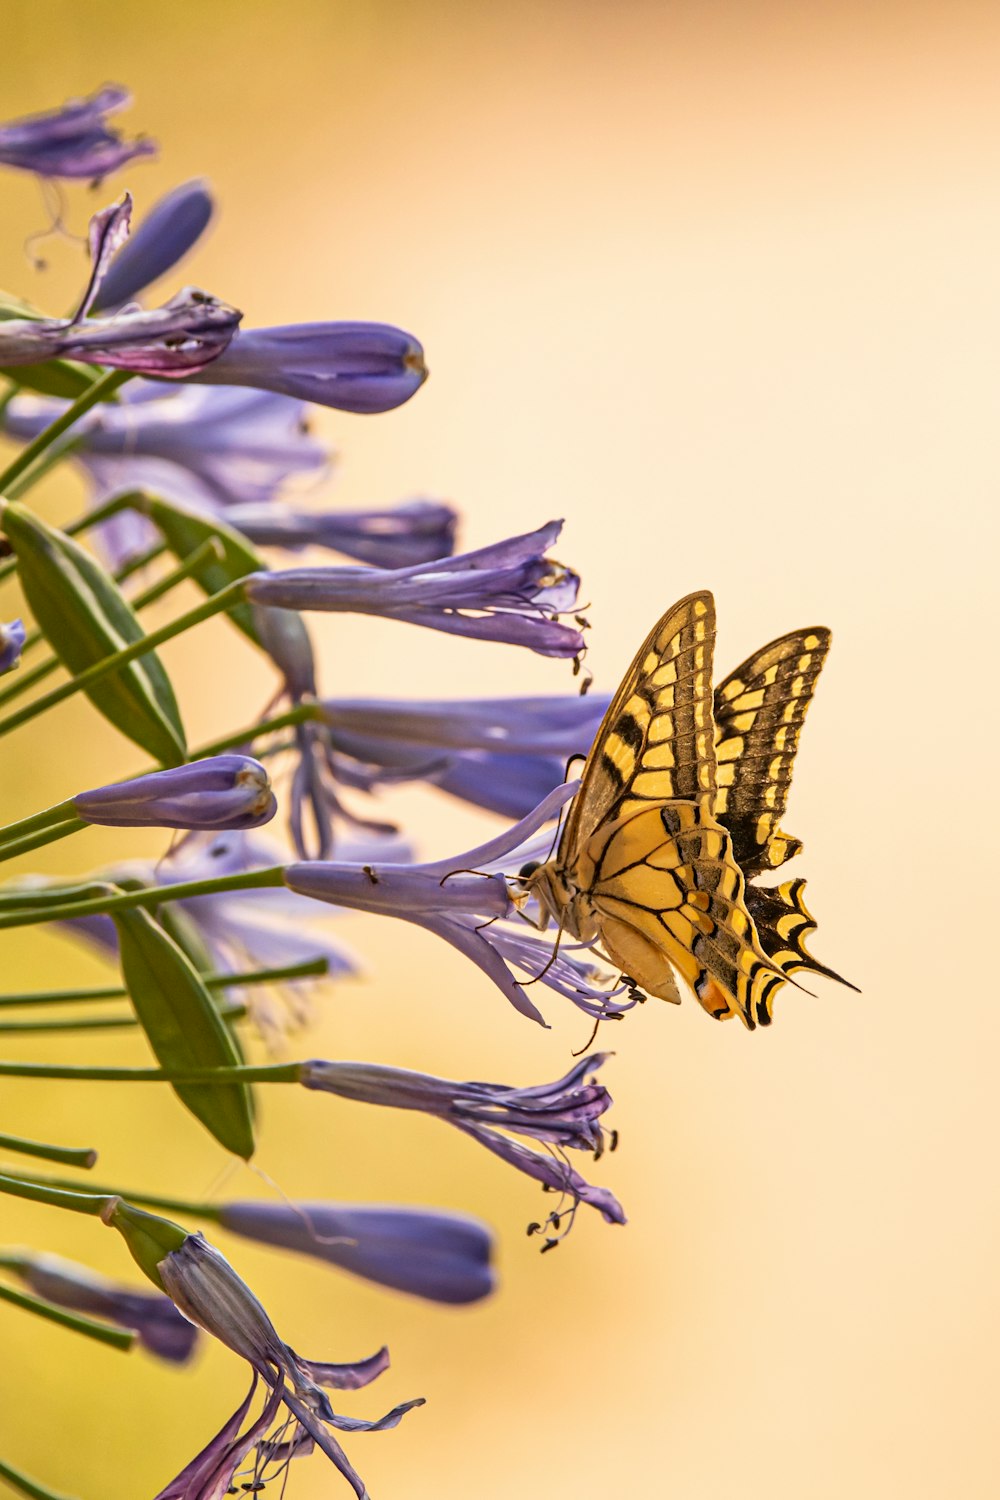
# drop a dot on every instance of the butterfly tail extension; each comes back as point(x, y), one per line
point(784, 922)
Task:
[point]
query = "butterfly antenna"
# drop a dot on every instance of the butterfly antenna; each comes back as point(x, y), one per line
point(590, 1040)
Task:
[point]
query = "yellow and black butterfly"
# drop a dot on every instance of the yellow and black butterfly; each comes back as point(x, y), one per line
point(678, 814)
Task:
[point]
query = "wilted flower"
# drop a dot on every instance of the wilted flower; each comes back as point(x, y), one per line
point(208, 1291)
point(507, 592)
point(225, 791)
point(161, 1328)
point(562, 1116)
point(12, 638)
point(183, 336)
point(415, 531)
point(166, 234)
point(504, 754)
point(444, 1257)
point(74, 140)
point(464, 900)
point(358, 367)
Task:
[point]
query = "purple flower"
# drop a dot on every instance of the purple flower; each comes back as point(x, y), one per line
point(465, 901)
point(444, 1257)
point(211, 1474)
point(12, 638)
point(561, 1116)
point(208, 1291)
point(73, 141)
point(183, 336)
point(359, 367)
point(163, 238)
point(504, 754)
point(161, 1328)
point(508, 592)
point(206, 448)
point(417, 531)
point(225, 791)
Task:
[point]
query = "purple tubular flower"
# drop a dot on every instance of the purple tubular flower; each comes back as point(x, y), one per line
point(464, 902)
point(166, 234)
point(208, 1291)
point(73, 141)
point(561, 1116)
point(417, 531)
point(161, 1328)
point(12, 639)
point(358, 367)
point(225, 791)
point(504, 754)
point(443, 1257)
point(172, 341)
point(509, 592)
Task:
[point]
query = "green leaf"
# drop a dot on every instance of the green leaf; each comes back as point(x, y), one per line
point(184, 531)
point(178, 925)
point(55, 377)
point(184, 1028)
point(86, 618)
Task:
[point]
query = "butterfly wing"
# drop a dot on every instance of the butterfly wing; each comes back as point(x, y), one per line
point(655, 741)
point(759, 710)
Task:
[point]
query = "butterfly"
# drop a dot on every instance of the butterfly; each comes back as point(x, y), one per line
point(678, 815)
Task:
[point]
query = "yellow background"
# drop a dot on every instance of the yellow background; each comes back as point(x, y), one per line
point(717, 283)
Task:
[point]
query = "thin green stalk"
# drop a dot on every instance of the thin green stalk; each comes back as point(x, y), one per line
point(224, 599)
point(148, 896)
point(313, 968)
point(25, 1485)
point(244, 1073)
point(38, 821)
point(212, 549)
point(302, 714)
point(39, 840)
point(210, 1211)
point(39, 1192)
point(100, 1023)
point(55, 456)
point(100, 389)
point(118, 1338)
point(26, 679)
point(66, 1156)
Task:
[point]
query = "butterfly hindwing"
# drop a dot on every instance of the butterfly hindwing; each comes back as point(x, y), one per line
point(656, 739)
point(759, 710)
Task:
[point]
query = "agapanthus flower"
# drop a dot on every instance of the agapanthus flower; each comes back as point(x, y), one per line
point(415, 531)
point(173, 225)
point(211, 449)
point(160, 1327)
point(357, 367)
point(208, 1291)
point(467, 901)
point(442, 1257)
point(224, 791)
point(12, 638)
point(75, 140)
point(504, 754)
point(172, 341)
point(510, 592)
point(561, 1116)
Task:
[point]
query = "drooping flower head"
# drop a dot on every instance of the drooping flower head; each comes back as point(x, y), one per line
point(75, 140)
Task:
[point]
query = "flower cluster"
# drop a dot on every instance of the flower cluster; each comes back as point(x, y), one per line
point(192, 432)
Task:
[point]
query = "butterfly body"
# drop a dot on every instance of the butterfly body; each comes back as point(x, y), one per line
point(669, 828)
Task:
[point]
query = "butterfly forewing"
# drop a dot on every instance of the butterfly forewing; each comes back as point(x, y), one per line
point(656, 739)
point(759, 710)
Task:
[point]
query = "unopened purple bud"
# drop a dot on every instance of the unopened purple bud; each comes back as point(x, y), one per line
point(163, 238)
point(444, 1257)
point(12, 639)
point(225, 791)
point(161, 1328)
point(359, 367)
point(74, 140)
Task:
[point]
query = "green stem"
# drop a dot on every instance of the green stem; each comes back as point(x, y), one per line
point(265, 1073)
point(100, 389)
point(67, 1156)
point(299, 715)
point(208, 551)
point(224, 599)
point(39, 840)
point(25, 680)
point(101, 1023)
point(314, 968)
point(210, 1211)
point(118, 1338)
point(40, 1192)
point(55, 456)
point(148, 896)
point(47, 818)
point(28, 1486)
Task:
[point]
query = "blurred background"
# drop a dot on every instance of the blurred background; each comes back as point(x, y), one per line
point(717, 283)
